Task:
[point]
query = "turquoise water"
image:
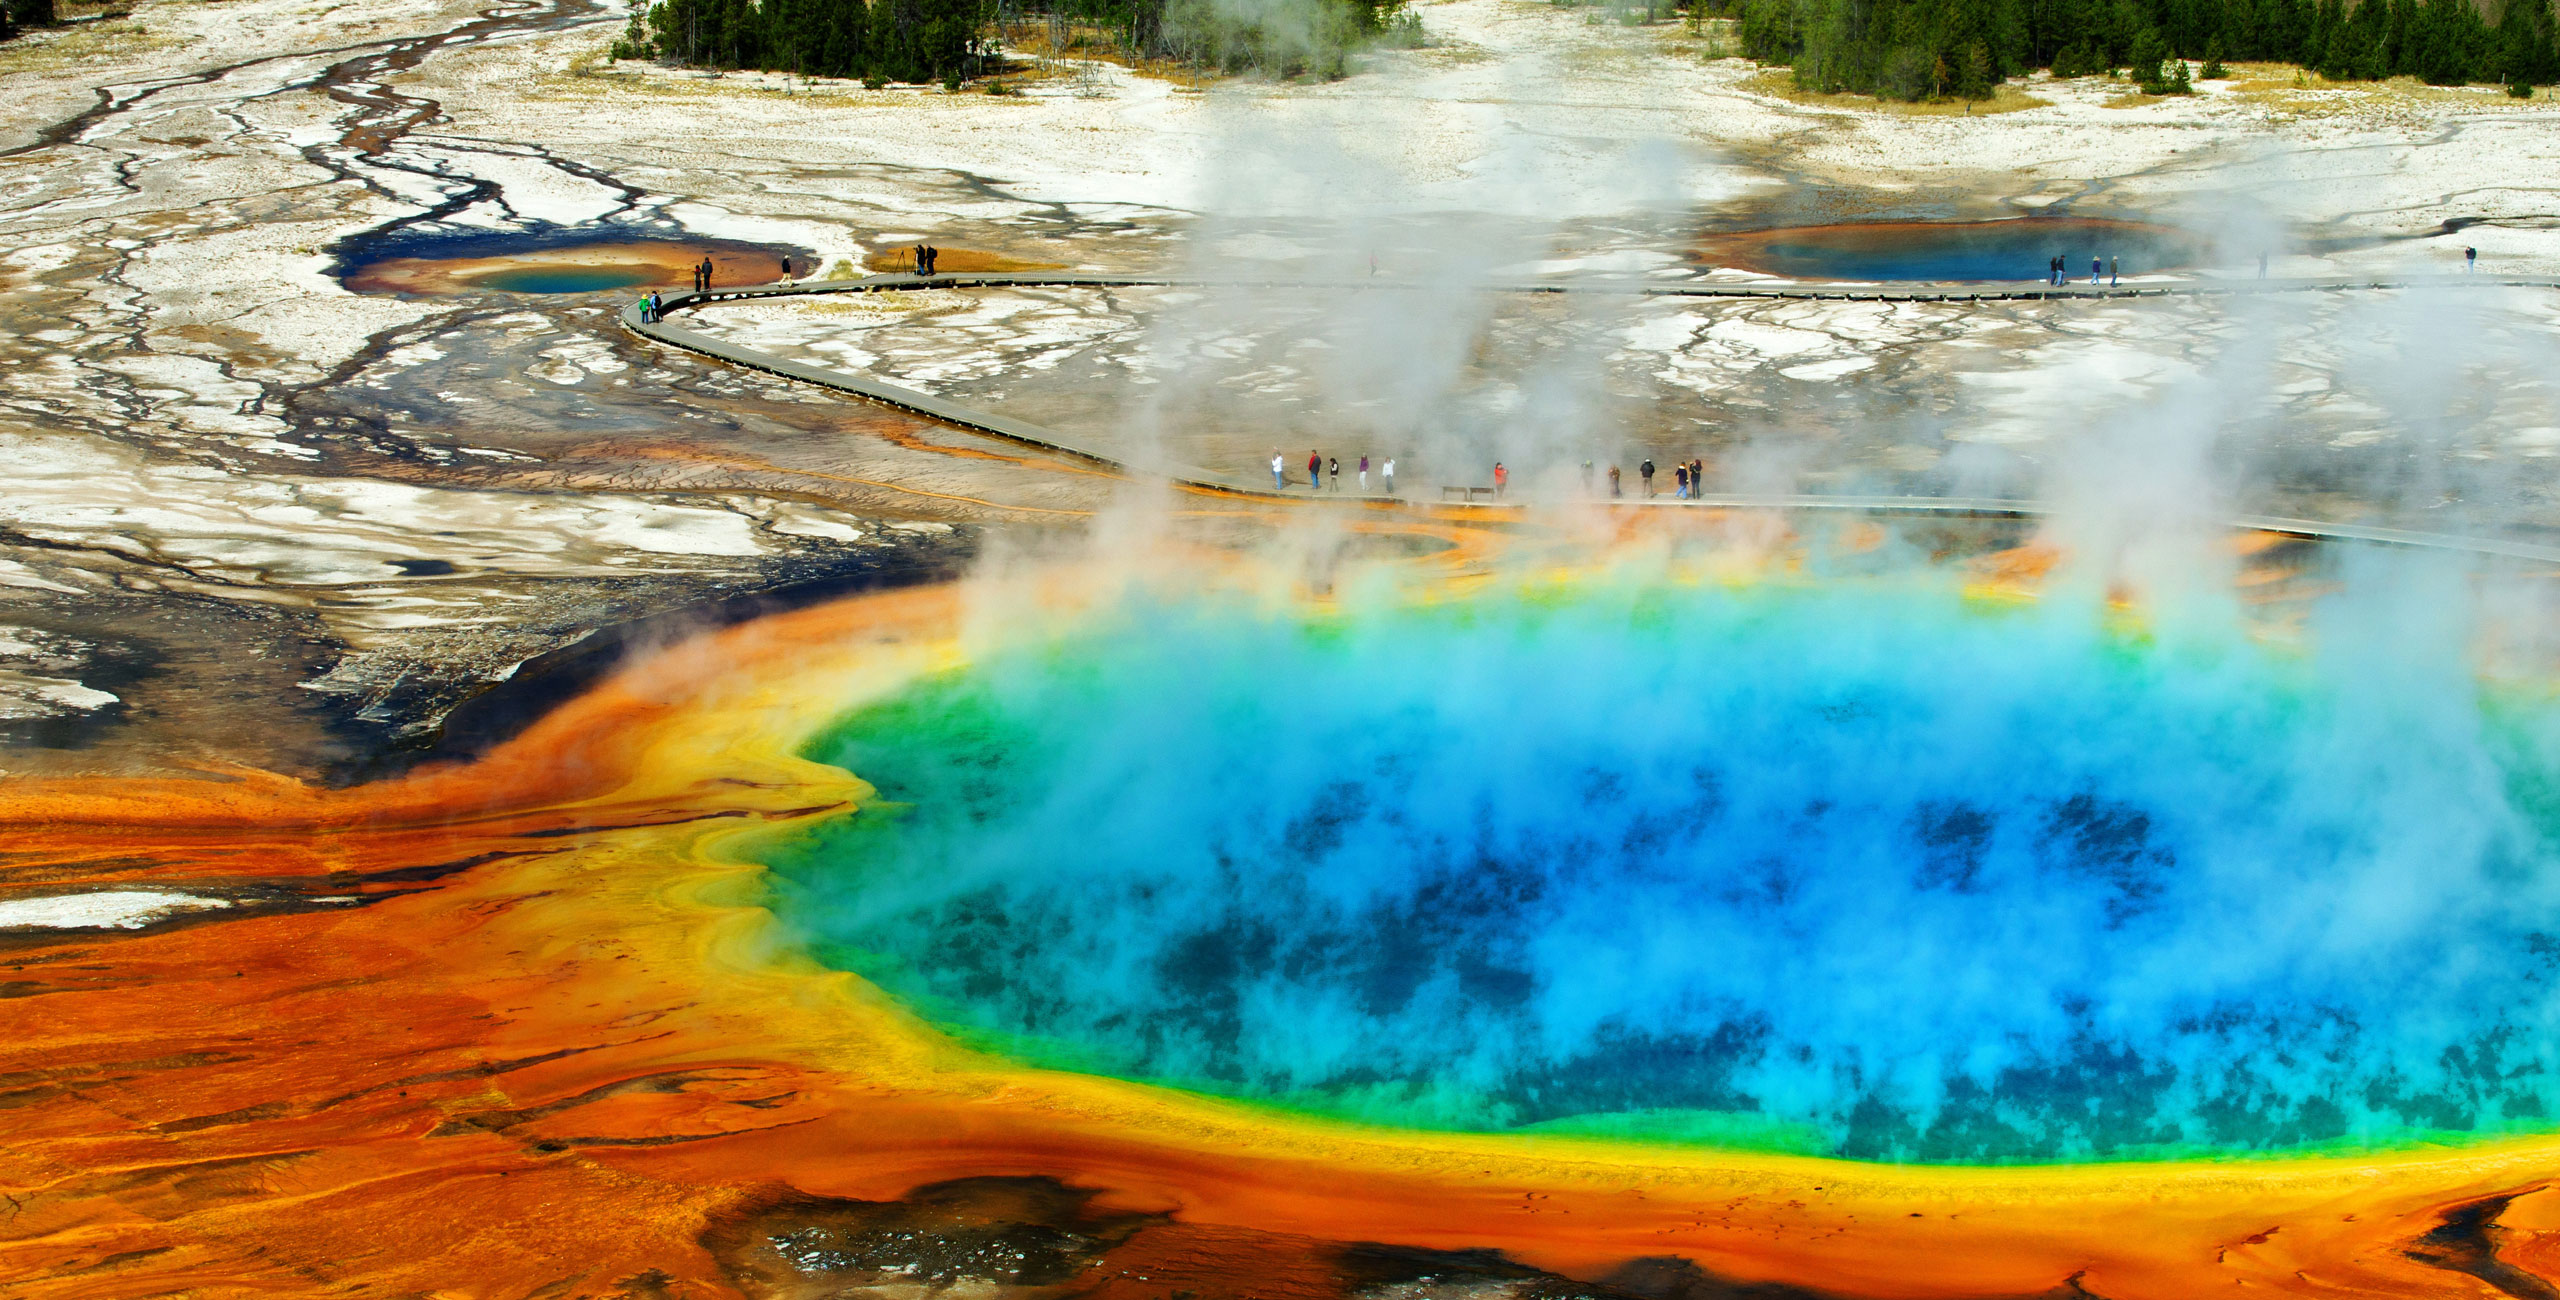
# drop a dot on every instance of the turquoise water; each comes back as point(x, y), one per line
point(1867, 870)
point(1977, 250)
point(569, 279)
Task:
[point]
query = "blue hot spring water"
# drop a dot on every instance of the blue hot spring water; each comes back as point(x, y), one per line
point(1867, 869)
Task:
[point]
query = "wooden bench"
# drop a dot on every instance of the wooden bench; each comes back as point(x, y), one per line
point(1453, 493)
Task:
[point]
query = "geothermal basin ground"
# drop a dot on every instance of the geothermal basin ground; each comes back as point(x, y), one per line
point(498, 804)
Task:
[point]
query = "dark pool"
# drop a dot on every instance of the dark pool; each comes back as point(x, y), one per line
point(2017, 249)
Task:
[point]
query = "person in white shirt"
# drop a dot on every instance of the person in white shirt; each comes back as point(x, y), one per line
point(1389, 470)
point(1279, 470)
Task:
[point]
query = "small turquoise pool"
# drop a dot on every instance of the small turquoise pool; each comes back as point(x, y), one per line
point(2015, 249)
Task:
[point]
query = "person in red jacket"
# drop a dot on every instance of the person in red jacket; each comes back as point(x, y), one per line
point(1315, 471)
point(1501, 478)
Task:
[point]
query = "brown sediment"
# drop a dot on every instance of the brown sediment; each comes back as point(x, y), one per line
point(555, 1047)
point(903, 258)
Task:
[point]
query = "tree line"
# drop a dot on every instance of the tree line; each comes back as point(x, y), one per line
point(922, 41)
point(18, 15)
point(891, 40)
point(1922, 49)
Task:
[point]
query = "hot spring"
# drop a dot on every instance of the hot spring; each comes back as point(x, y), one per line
point(2015, 249)
point(1877, 868)
point(555, 262)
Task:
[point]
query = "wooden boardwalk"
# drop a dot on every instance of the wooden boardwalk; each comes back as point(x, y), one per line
point(1047, 439)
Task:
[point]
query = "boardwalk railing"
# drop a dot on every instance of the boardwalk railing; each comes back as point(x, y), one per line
point(1039, 436)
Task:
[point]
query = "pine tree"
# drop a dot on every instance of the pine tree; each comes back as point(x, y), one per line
point(2213, 69)
point(2143, 67)
point(1977, 81)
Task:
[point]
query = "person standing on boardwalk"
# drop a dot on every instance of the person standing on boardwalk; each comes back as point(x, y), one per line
point(1334, 464)
point(1501, 479)
point(1614, 490)
point(1315, 471)
point(1586, 478)
point(1680, 481)
point(1279, 470)
point(647, 317)
point(2094, 267)
point(2111, 272)
point(1645, 472)
point(1390, 469)
point(2470, 261)
point(1697, 477)
point(1364, 475)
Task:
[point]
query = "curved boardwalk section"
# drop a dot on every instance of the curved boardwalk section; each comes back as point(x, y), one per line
point(1192, 476)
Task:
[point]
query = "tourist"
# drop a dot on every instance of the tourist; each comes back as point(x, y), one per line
point(1364, 475)
point(1315, 471)
point(2470, 261)
point(646, 316)
point(2095, 266)
point(1613, 482)
point(2053, 270)
point(786, 270)
point(1335, 464)
point(1680, 482)
point(932, 260)
point(1586, 478)
point(2111, 271)
point(1501, 479)
point(921, 264)
point(1389, 469)
point(1645, 472)
point(1697, 478)
point(1279, 470)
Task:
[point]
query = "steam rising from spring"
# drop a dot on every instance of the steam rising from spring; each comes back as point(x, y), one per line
point(1857, 868)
